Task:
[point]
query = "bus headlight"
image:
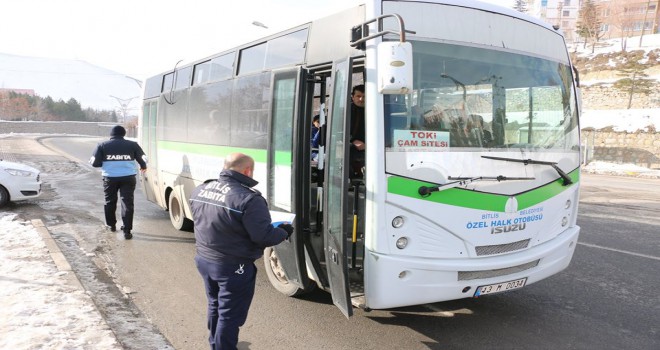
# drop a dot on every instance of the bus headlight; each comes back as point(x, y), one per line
point(568, 204)
point(564, 221)
point(402, 242)
point(397, 222)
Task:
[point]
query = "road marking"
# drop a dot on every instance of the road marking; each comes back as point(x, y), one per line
point(620, 251)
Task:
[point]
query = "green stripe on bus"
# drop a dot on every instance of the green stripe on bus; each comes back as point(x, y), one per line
point(536, 196)
point(283, 158)
point(259, 155)
point(477, 200)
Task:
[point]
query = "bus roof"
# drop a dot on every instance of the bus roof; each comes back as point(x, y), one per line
point(326, 43)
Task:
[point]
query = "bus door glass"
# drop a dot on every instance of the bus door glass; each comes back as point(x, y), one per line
point(336, 181)
point(283, 193)
point(150, 178)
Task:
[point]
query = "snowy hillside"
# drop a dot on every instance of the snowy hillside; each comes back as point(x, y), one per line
point(92, 86)
point(649, 42)
point(629, 120)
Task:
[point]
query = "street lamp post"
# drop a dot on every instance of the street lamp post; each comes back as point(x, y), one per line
point(123, 103)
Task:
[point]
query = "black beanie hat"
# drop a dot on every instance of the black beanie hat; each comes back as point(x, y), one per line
point(118, 130)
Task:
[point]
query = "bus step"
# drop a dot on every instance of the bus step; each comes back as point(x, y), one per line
point(358, 300)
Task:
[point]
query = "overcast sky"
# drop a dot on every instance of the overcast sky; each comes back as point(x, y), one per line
point(141, 38)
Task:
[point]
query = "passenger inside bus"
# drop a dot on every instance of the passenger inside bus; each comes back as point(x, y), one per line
point(316, 135)
point(358, 145)
point(479, 136)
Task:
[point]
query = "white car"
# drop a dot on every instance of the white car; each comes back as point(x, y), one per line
point(18, 182)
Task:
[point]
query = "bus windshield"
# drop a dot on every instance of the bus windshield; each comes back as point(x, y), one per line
point(470, 100)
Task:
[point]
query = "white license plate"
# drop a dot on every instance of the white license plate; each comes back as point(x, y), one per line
point(500, 287)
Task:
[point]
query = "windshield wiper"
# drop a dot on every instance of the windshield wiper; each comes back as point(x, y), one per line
point(492, 178)
point(462, 181)
point(562, 174)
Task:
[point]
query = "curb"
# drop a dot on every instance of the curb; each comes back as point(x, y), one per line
point(63, 265)
point(56, 254)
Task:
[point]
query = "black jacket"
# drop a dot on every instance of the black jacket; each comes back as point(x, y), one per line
point(357, 123)
point(117, 157)
point(232, 221)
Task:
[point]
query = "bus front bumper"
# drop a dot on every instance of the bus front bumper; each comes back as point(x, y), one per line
point(396, 281)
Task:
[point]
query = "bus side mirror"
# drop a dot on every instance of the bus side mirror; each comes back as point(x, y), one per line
point(395, 71)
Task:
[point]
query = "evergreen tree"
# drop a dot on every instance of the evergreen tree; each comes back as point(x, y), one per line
point(59, 110)
point(635, 80)
point(75, 111)
point(48, 106)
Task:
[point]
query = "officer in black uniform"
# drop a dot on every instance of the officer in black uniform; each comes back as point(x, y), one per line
point(232, 228)
point(116, 158)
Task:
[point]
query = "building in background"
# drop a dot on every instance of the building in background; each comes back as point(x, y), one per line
point(619, 18)
point(563, 14)
point(628, 18)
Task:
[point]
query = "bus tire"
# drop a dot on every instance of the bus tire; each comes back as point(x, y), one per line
point(278, 279)
point(177, 216)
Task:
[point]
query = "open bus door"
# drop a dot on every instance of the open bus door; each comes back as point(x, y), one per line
point(285, 262)
point(336, 182)
point(148, 144)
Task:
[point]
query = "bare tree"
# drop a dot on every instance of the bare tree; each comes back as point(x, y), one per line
point(590, 23)
point(520, 6)
point(622, 20)
point(15, 106)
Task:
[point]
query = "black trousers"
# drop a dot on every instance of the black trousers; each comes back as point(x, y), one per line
point(125, 186)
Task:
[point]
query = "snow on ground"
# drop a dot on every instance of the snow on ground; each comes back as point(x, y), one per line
point(621, 120)
point(598, 167)
point(39, 308)
point(649, 42)
point(43, 304)
point(630, 120)
point(605, 168)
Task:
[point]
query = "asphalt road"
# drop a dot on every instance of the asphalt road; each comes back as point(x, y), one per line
point(606, 299)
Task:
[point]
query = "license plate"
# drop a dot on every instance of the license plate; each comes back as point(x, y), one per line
point(500, 287)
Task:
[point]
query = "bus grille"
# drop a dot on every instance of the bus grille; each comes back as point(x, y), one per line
point(473, 275)
point(501, 248)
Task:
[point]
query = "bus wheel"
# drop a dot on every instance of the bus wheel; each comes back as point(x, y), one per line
point(177, 217)
point(277, 277)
